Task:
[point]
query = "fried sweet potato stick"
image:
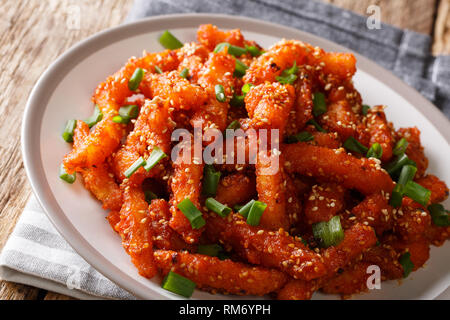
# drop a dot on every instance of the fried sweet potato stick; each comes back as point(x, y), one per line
point(185, 183)
point(164, 237)
point(267, 248)
point(236, 188)
point(268, 106)
point(109, 95)
point(210, 36)
point(153, 128)
point(98, 179)
point(374, 211)
point(365, 175)
point(135, 231)
point(324, 202)
point(225, 276)
point(271, 187)
point(380, 131)
point(415, 149)
point(218, 70)
point(298, 290)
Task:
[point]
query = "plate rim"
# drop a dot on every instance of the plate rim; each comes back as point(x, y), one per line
point(32, 119)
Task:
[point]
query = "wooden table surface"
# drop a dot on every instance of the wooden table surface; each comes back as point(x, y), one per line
point(35, 32)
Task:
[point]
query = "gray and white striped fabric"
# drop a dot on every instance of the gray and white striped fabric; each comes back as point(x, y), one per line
point(37, 255)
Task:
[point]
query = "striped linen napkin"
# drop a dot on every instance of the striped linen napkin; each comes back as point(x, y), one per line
point(37, 255)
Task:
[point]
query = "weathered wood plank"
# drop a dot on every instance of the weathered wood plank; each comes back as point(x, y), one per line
point(34, 33)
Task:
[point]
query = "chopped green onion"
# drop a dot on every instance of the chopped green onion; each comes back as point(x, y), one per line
point(169, 41)
point(63, 175)
point(329, 233)
point(212, 250)
point(244, 210)
point(316, 125)
point(223, 255)
point(158, 70)
point(149, 196)
point(303, 136)
point(400, 147)
point(439, 215)
point(239, 69)
point(95, 118)
point(235, 124)
point(396, 196)
point(405, 261)
point(253, 50)
point(407, 174)
point(136, 78)
point(215, 206)
point(233, 50)
point(220, 93)
point(237, 101)
point(237, 207)
point(134, 167)
point(354, 145)
point(319, 104)
point(364, 109)
point(69, 130)
point(375, 151)
point(220, 47)
point(288, 76)
point(156, 156)
point(416, 192)
point(184, 73)
point(119, 119)
point(191, 213)
point(255, 213)
point(246, 88)
point(175, 283)
point(393, 167)
point(128, 112)
point(211, 179)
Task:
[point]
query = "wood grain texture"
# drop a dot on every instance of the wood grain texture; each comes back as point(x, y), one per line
point(405, 14)
point(33, 34)
point(441, 43)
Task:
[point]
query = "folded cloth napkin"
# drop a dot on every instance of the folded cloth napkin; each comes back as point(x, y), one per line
point(37, 255)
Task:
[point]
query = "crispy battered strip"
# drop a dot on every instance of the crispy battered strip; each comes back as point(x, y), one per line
point(329, 139)
point(134, 230)
point(210, 36)
point(153, 128)
point(386, 258)
point(192, 56)
point(374, 211)
point(419, 250)
point(357, 239)
point(294, 204)
point(271, 187)
point(324, 202)
point(411, 222)
point(301, 111)
point(267, 248)
point(437, 235)
point(298, 290)
point(277, 58)
point(109, 95)
point(268, 106)
point(365, 175)
point(214, 275)
point(181, 94)
point(113, 219)
point(341, 119)
point(186, 182)
point(380, 131)
point(352, 280)
point(236, 188)
point(163, 236)
point(414, 150)
point(98, 179)
point(438, 188)
point(218, 69)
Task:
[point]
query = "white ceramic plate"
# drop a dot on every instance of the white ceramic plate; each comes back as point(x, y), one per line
point(64, 91)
